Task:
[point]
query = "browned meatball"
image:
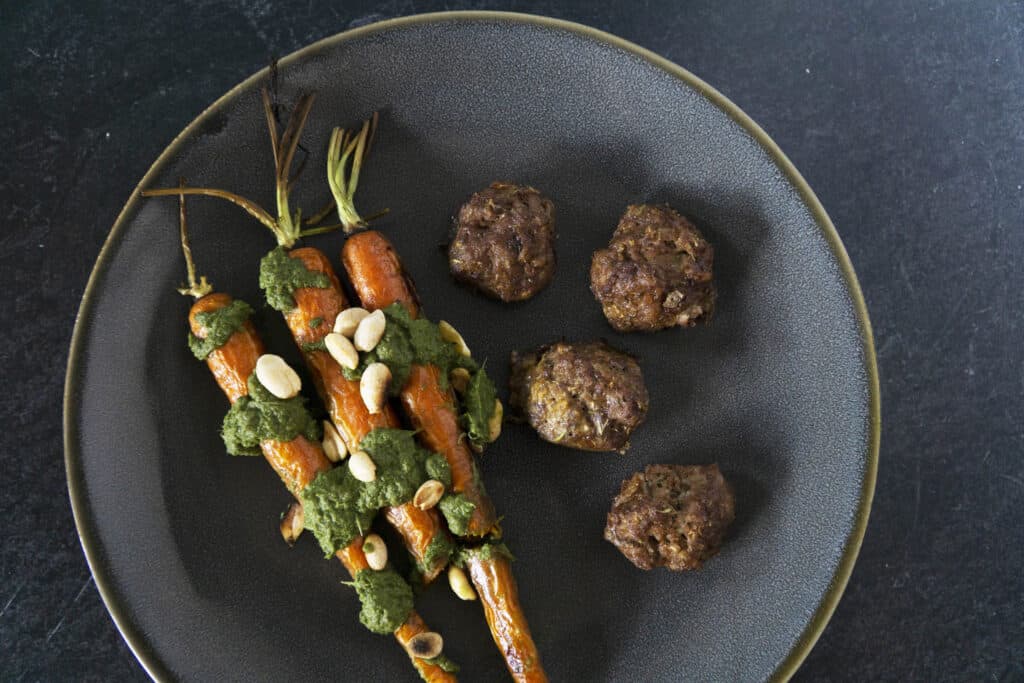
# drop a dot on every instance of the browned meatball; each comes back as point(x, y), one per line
point(585, 395)
point(655, 273)
point(504, 242)
point(672, 516)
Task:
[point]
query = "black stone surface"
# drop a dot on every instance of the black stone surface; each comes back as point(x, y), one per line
point(906, 118)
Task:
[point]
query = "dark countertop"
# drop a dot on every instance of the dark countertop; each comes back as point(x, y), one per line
point(906, 118)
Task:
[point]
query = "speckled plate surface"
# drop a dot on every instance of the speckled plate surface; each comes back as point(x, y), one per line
point(780, 389)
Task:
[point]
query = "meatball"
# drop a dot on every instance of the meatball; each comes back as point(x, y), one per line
point(504, 242)
point(671, 516)
point(655, 272)
point(585, 395)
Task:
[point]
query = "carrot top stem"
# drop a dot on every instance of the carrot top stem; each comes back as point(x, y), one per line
point(345, 156)
point(343, 176)
point(202, 287)
point(284, 146)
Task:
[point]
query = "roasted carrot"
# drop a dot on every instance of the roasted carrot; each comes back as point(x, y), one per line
point(377, 276)
point(492, 577)
point(418, 528)
point(376, 273)
point(379, 280)
point(298, 461)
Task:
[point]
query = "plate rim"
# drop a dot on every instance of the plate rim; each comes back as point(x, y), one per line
point(140, 646)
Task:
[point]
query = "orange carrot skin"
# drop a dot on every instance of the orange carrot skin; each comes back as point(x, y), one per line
point(298, 461)
point(376, 273)
point(429, 409)
point(344, 402)
point(499, 595)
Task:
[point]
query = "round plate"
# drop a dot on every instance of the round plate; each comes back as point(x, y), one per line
point(780, 389)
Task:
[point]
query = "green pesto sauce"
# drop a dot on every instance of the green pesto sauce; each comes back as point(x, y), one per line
point(309, 347)
point(437, 553)
point(457, 510)
point(386, 599)
point(481, 553)
point(407, 342)
point(479, 407)
point(219, 325)
point(443, 663)
point(281, 275)
point(261, 416)
point(339, 507)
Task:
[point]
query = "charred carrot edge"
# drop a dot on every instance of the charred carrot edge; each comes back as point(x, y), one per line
point(379, 280)
point(500, 597)
point(345, 404)
point(298, 461)
point(371, 262)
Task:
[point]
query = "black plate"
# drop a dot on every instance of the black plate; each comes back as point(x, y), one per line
point(780, 389)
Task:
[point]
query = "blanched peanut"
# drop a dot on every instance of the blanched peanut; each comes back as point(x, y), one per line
point(334, 446)
point(460, 584)
point(292, 523)
point(373, 386)
point(494, 424)
point(349, 319)
point(362, 466)
point(376, 552)
point(341, 350)
point(428, 494)
point(452, 336)
point(459, 378)
point(277, 376)
point(369, 331)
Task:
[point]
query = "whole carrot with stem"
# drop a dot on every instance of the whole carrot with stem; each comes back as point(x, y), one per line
point(232, 349)
point(379, 280)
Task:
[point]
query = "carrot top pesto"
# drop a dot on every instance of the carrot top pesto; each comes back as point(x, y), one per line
point(261, 416)
point(339, 507)
point(219, 325)
point(281, 275)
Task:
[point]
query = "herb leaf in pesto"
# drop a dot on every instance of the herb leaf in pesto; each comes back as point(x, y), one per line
point(479, 407)
point(457, 510)
point(386, 599)
point(281, 275)
point(219, 325)
point(261, 416)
